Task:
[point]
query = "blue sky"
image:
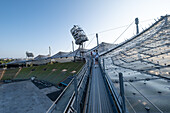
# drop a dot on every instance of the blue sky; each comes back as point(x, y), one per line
point(34, 25)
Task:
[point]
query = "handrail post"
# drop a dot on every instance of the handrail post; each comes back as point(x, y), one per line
point(103, 66)
point(122, 93)
point(76, 93)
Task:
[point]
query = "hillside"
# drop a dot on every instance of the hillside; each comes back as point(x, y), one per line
point(53, 73)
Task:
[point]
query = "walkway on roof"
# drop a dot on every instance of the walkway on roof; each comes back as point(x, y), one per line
point(99, 99)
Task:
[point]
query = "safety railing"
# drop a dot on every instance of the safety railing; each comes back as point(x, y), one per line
point(76, 102)
point(116, 100)
point(79, 76)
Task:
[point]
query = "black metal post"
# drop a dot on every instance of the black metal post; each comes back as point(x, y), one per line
point(137, 22)
point(103, 66)
point(97, 39)
point(122, 92)
point(76, 93)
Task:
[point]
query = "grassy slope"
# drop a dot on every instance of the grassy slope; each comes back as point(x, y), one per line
point(54, 77)
point(9, 74)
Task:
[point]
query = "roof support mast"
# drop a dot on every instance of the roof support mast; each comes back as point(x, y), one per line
point(49, 51)
point(137, 22)
point(73, 45)
point(137, 31)
point(97, 39)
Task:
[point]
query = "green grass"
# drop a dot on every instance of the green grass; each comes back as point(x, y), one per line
point(9, 74)
point(24, 72)
point(54, 77)
point(60, 76)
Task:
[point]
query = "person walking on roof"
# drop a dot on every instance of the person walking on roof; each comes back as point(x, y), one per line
point(97, 56)
point(93, 56)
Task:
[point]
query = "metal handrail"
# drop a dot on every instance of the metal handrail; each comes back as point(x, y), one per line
point(61, 94)
point(72, 99)
point(116, 99)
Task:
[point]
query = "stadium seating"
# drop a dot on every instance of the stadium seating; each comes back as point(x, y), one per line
point(9, 74)
point(51, 72)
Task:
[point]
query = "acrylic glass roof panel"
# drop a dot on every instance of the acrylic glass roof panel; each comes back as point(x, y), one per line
point(143, 60)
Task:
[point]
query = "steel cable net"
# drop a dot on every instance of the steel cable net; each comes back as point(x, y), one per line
point(144, 60)
point(149, 52)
